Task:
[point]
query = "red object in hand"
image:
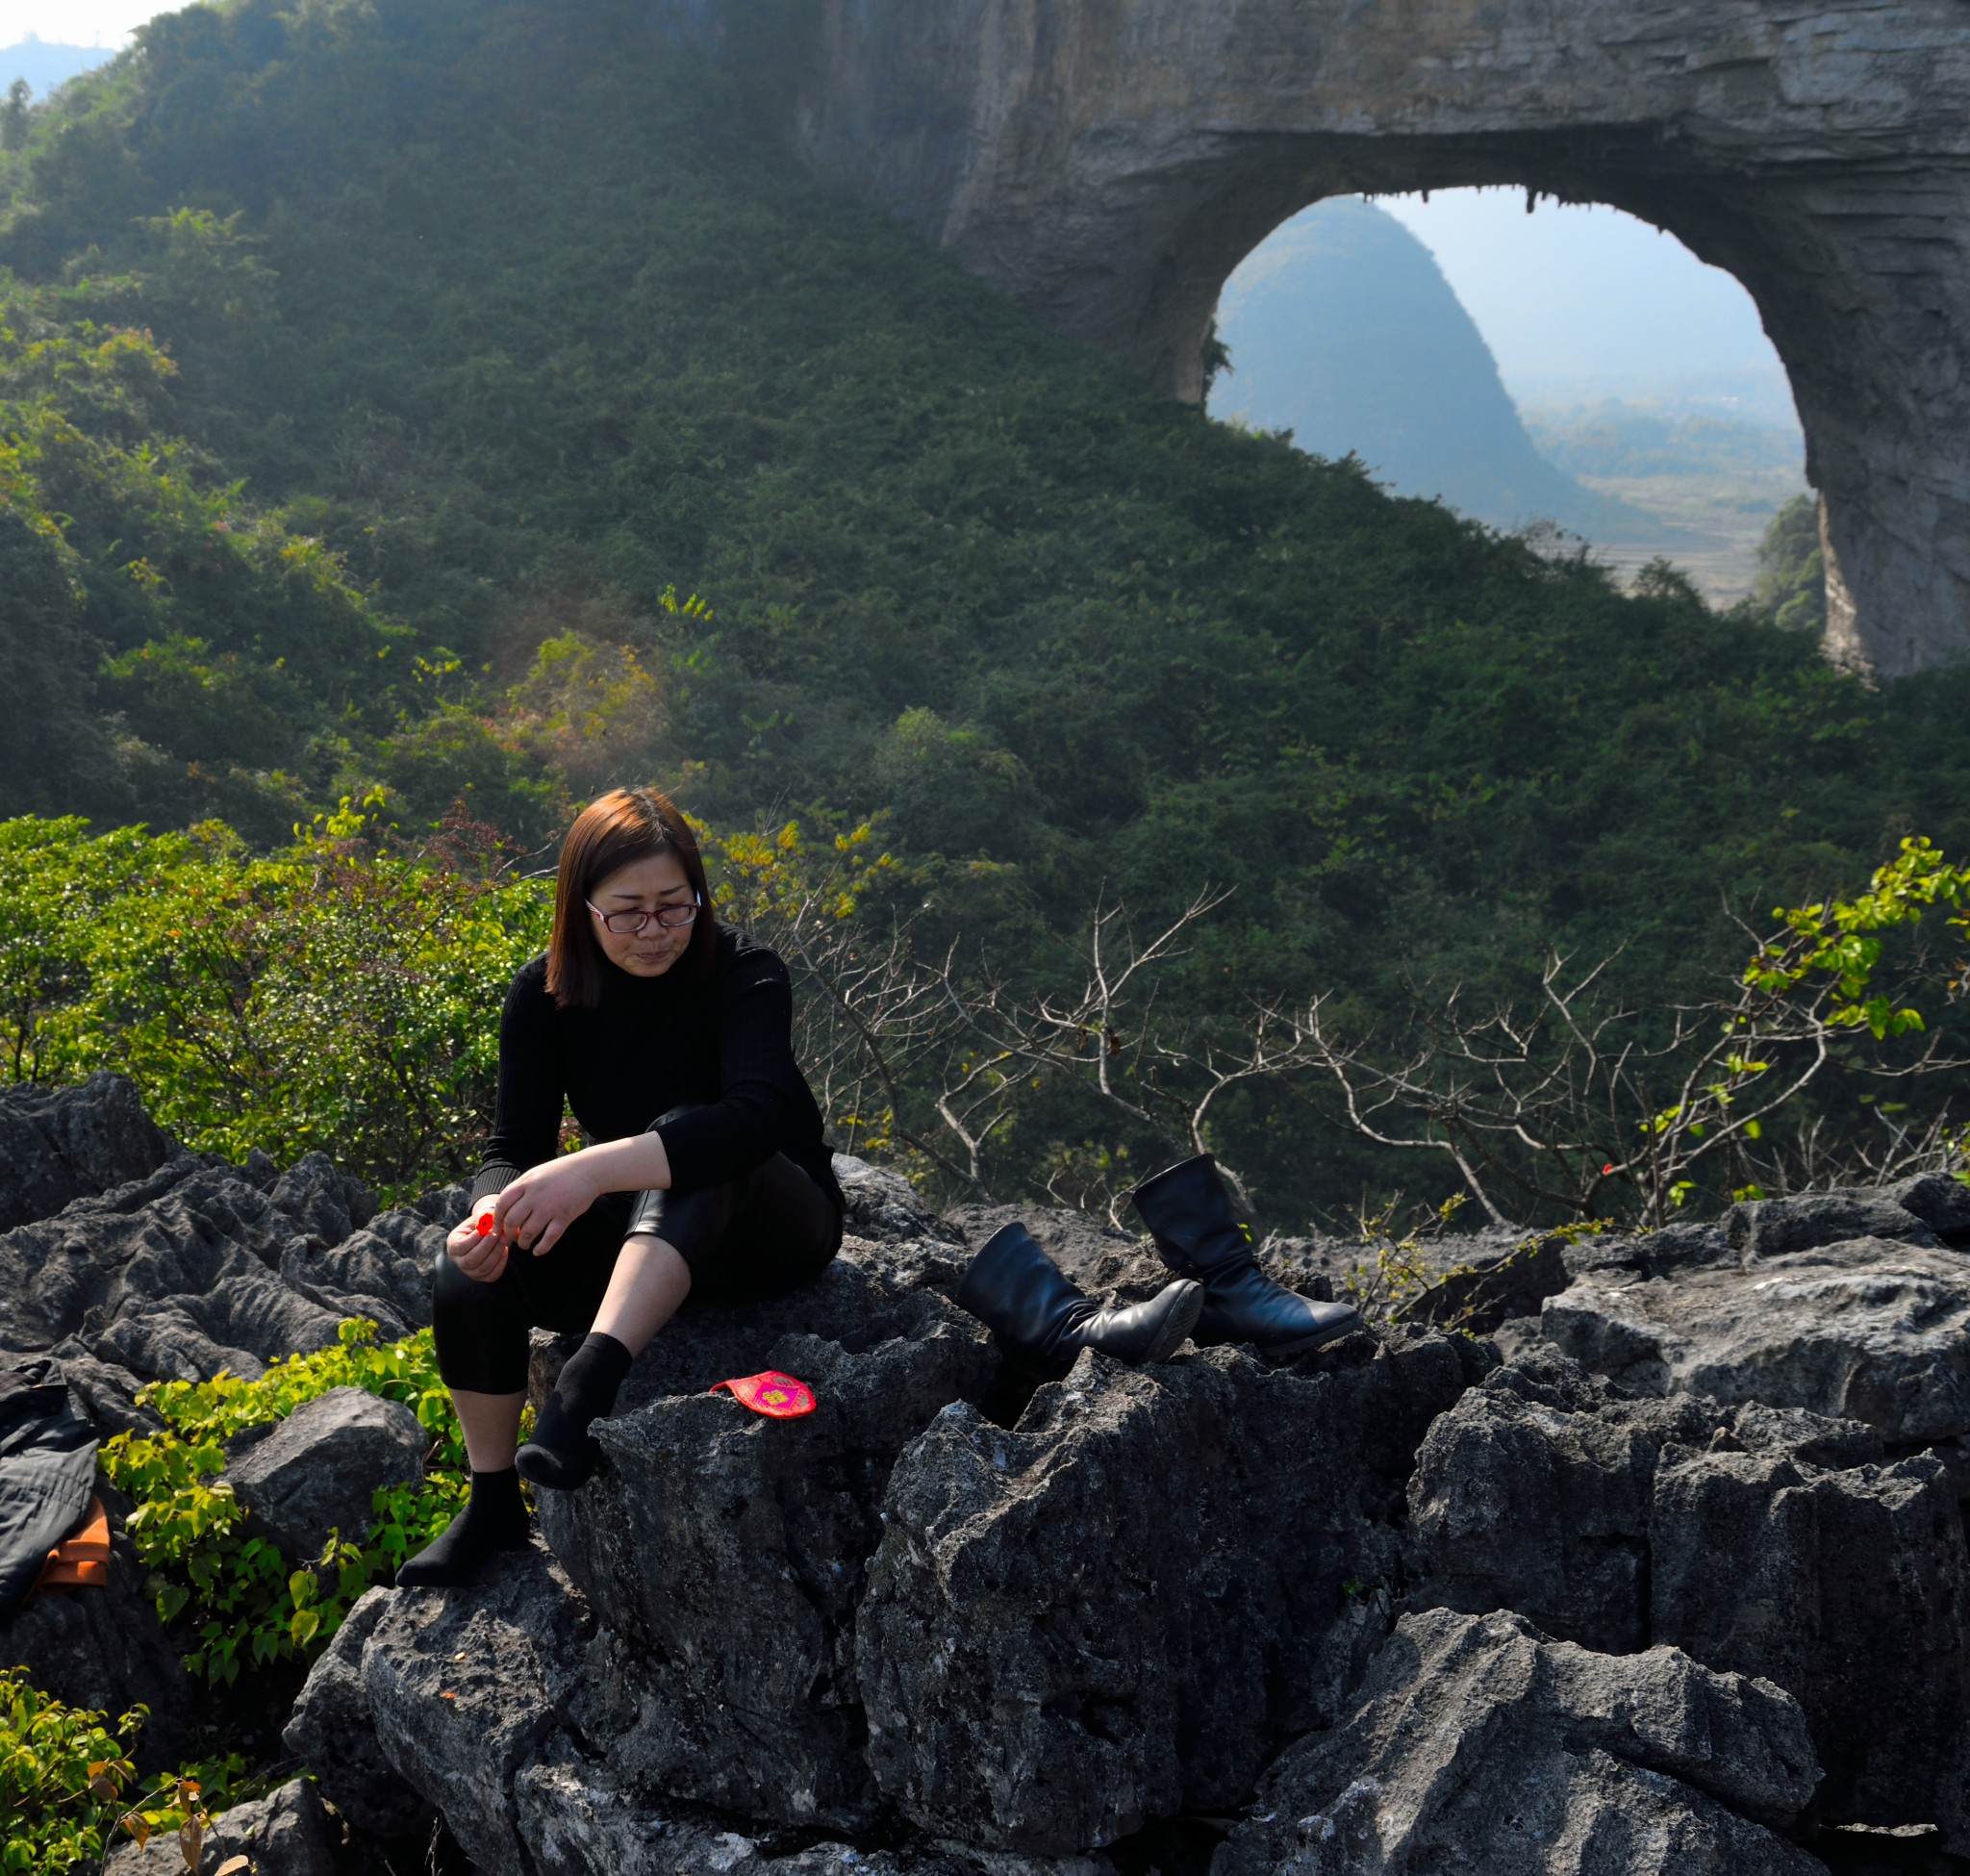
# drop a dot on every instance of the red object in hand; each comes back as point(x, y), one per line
point(485, 1225)
point(777, 1396)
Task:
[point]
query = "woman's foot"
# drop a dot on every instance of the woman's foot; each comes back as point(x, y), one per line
point(562, 1454)
point(494, 1519)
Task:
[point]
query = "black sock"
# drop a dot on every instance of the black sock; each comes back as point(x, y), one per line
point(563, 1453)
point(494, 1519)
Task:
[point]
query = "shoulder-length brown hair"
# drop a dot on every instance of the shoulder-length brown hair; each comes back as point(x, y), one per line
point(625, 826)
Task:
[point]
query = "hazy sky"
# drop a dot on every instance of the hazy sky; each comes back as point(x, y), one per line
point(1586, 294)
point(72, 22)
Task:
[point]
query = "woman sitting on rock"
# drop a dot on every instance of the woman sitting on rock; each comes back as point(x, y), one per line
point(671, 1039)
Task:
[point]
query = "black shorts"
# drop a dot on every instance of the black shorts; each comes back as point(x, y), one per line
point(758, 1237)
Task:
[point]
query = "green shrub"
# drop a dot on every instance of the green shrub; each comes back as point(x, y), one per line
point(337, 996)
point(62, 1772)
point(251, 1604)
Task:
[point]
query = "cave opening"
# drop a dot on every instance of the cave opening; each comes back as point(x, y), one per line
point(1562, 370)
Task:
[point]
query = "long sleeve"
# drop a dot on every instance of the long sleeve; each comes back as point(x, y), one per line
point(527, 1114)
point(762, 1096)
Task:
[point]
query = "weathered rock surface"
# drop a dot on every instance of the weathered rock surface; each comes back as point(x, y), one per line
point(288, 1833)
point(317, 1470)
point(464, 1688)
point(1109, 164)
point(1478, 1745)
point(58, 1144)
point(1870, 1329)
point(944, 1627)
point(1764, 1540)
point(333, 1732)
point(711, 1523)
point(575, 1821)
point(1117, 1609)
point(199, 1266)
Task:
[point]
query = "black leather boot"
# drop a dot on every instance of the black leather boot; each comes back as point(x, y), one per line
point(1189, 1215)
point(1019, 1293)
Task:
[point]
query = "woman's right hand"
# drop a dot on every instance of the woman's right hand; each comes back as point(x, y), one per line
point(481, 1255)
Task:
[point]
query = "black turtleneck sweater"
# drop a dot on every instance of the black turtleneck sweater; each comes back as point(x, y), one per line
point(720, 1036)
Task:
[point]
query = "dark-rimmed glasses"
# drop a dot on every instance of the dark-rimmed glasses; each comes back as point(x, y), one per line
point(626, 925)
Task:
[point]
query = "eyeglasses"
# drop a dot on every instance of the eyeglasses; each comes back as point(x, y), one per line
point(625, 925)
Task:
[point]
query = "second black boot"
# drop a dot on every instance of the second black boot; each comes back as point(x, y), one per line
point(1189, 1215)
point(1022, 1296)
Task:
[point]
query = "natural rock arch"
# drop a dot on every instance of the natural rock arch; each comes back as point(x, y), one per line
point(1108, 163)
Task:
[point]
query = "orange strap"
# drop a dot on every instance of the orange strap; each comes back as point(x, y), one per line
point(82, 1558)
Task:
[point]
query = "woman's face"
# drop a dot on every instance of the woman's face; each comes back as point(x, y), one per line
point(642, 886)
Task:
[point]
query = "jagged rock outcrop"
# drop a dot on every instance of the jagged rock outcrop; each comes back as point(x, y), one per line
point(1109, 164)
point(288, 1833)
point(1478, 1745)
point(1766, 1542)
point(1851, 1305)
point(1117, 1608)
point(58, 1144)
point(463, 1688)
point(333, 1732)
point(951, 1626)
point(710, 1523)
point(315, 1470)
point(200, 1266)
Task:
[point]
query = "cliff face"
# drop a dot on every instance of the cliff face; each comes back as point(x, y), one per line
point(1109, 162)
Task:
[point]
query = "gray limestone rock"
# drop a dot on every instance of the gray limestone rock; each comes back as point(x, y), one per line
point(1940, 1202)
point(883, 1207)
point(1117, 1609)
point(710, 1524)
point(317, 1470)
point(288, 1833)
point(60, 1143)
point(199, 1266)
point(1651, 1253)
point(173, 1276)
point(1760, 1229)
point(1871, 1329)
point(1478, 1747)
point(1849, 1588)
point(333, 1732)
point(465, 1687)
point(1765, 1540)
point(105, 1390)
point(381, 1270)
point(576, 1820)
point(324, 1203)
point(1532, 1493)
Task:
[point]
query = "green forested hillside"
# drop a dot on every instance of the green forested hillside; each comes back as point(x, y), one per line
point(371, 372)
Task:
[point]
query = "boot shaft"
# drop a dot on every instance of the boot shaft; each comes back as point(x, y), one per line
point(1189, 1215)
point(1019, 1292)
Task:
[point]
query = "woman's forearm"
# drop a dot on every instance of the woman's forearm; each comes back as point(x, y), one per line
point(637, 1164)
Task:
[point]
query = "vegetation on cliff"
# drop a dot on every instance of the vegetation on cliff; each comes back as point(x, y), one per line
point(377, 376)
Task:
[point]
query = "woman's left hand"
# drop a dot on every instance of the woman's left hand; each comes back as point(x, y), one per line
point(539, 1207)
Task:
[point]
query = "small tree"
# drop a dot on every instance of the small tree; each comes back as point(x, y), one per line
point(1584, 1098)
point(14, 115)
